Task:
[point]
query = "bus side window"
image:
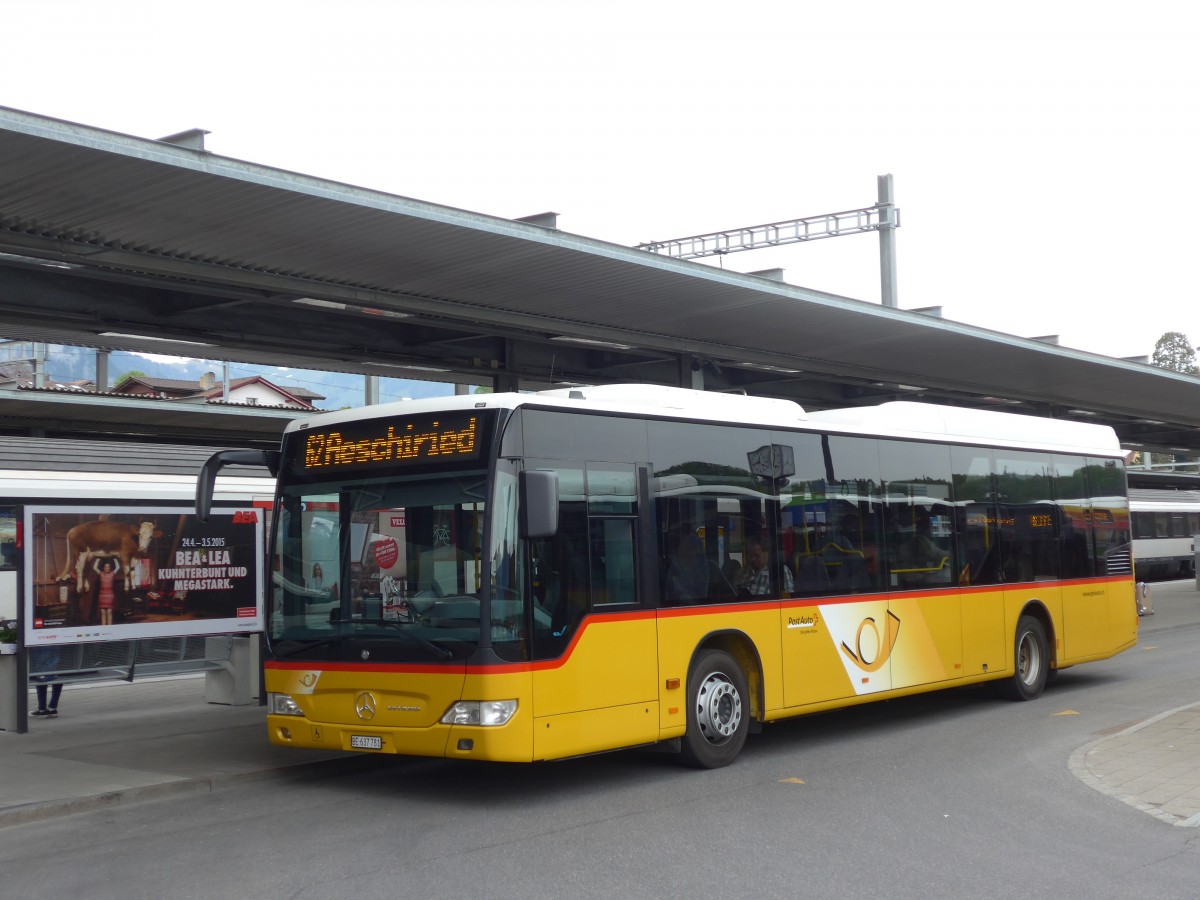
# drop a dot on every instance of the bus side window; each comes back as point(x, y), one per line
point(714, 487)
point(1074, 515)
point(976, 515)
point(1029, 548)
point(612, 561)
point(570, 561)
point(612, 507)
point(1109, 508)
point(856, 493)
point(562, 587)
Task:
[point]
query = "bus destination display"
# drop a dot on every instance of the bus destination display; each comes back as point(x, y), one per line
point(382, 442)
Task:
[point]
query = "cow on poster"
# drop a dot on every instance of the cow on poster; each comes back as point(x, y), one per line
point(175, 575)
point(104, 538)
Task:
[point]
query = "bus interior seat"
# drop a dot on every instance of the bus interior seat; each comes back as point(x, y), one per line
point(732, 570)
point(719, 586)
point(852, 575)
point(981, 566)
point(811, 576)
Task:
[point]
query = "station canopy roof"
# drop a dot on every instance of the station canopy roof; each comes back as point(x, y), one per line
point(119, 242)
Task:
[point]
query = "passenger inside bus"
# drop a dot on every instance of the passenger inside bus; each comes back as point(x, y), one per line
point(688, 574)
point(756, 579)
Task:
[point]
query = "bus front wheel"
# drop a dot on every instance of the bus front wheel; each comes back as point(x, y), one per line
point(1031, 660)
point(718, 716)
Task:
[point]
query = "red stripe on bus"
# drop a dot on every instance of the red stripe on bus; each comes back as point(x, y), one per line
point(418, 668)
point(545, 665)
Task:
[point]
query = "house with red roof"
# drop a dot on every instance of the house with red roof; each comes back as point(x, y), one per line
point(250, 391)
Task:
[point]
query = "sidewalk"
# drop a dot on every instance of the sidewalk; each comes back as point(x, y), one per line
point(116, 744)
point(1154, 765)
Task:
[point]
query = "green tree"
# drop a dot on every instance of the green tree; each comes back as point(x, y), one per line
point(134, 373)
point(1175, 352)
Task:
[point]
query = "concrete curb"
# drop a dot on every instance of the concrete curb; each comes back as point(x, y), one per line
point(182, 787)
point(1080, 769)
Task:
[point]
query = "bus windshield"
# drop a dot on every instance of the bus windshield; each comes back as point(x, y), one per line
point(378, 568)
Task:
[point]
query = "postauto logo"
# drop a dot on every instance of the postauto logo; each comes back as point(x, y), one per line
point(879, 646)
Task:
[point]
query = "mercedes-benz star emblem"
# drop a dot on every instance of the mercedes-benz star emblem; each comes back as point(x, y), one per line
point(364, 705)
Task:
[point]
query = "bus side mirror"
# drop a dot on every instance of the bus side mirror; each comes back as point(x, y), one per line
point(539, 503)
point(207, 480)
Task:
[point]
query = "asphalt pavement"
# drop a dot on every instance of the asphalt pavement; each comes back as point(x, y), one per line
point(121, 743)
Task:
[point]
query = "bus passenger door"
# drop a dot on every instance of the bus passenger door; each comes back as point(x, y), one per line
point(596, 662)
point(978, 570)
point(838, 633)
point(1099, 611)
point(926, 607)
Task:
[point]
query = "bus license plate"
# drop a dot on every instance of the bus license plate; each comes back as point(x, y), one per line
point(366, 742)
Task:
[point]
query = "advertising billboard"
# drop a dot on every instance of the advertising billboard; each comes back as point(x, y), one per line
point(115, 573)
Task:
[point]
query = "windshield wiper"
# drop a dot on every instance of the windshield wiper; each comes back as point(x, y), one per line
point(311, 644)
point(438, 652)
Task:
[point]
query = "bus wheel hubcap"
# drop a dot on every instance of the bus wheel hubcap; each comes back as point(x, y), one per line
point(1030, 659)
point(718, 709)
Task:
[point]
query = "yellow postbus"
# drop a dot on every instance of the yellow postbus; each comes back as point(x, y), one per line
point(523, 577)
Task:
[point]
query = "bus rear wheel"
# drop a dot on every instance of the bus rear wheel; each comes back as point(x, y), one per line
point(1031, 660)
point(718, 718)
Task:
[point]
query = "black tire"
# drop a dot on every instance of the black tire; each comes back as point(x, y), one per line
point(718, 717)
point(1031, 660)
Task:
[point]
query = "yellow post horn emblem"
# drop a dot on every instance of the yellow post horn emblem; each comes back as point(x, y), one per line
point(885, 644)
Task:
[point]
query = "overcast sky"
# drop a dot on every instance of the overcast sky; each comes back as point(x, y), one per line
point(1043, 152)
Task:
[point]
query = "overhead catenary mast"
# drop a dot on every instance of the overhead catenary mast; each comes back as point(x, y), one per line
point(883, 217)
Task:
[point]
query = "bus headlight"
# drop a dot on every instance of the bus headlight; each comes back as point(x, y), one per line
point(283, 705)
point(480, 712)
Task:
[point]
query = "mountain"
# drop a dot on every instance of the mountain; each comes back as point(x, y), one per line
point(340, 389)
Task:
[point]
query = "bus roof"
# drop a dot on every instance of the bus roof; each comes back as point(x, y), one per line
point(906, 418)
point(900, 419)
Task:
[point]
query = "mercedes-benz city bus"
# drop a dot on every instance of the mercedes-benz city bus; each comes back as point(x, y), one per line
point(525, 577)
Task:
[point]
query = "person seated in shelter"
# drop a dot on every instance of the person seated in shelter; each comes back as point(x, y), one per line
point(755, 578)
point(688, 574)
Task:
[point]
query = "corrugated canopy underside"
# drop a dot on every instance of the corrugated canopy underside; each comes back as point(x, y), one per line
point(252, 239)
